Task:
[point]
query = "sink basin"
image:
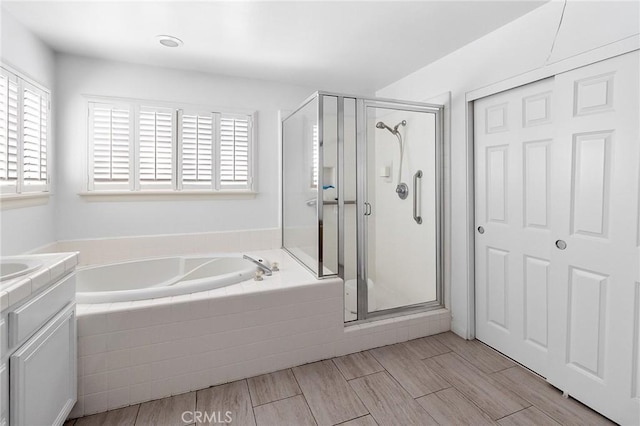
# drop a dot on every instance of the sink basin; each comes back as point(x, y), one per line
point(12, 268)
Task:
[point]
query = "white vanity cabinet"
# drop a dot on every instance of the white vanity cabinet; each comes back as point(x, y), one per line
point(43, 383)
point(38, 356)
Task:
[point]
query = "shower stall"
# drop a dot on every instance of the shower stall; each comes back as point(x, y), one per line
point(362, 200)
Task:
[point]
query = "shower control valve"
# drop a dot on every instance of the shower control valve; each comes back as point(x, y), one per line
point(402, 190)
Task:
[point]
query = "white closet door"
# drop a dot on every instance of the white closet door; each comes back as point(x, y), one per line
point(595, 212)
point(513, 147)
point(558, 259)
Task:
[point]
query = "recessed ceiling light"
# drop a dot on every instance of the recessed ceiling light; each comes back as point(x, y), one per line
point(169, 41)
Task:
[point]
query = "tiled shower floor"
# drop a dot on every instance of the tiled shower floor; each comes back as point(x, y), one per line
point(439, 379)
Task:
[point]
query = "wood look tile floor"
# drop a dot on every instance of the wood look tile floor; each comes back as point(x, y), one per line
point(436, 380)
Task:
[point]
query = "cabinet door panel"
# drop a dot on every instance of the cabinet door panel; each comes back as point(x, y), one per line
point(4, 394)
point(25, 320)
point(43, 374)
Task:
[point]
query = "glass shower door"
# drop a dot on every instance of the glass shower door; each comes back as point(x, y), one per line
point(300, 230)
point(309, 185)
point(400, 200)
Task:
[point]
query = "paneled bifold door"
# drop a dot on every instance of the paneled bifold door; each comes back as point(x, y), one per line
point(557, 175)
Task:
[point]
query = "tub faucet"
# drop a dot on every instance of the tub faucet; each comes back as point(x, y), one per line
point(267, 271)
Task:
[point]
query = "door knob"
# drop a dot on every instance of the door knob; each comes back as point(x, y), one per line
point(561, 244)
point(480, 229)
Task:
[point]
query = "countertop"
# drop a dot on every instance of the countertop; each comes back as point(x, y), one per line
point(54, 266)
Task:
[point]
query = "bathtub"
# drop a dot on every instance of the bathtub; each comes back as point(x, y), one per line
point(133, 352)
point(160, 277)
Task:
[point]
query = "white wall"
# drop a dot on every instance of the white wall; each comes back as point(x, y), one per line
point(78, 218)
point(26, 228)
point(519, 47)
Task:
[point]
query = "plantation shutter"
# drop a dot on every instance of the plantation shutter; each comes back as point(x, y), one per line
point(235, 136)
point(156, 146)
point(8, 133)
point(138, 146)
point(110, 135)
point(197, 147)
point(35, 136)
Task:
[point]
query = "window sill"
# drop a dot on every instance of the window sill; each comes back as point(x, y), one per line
point(166, 195)
point(27, 199)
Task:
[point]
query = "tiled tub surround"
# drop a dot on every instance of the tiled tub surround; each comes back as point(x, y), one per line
point(54, 266)
point(132, 352)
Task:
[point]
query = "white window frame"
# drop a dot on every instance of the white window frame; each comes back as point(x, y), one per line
point(40, 186)
point(12, 187)
point(250, 153)
point(19, 188)
point(215, 141)
point(138, 185)
point(177, 187)
point(92, 185)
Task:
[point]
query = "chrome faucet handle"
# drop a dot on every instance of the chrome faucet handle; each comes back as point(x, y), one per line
point(259, 263)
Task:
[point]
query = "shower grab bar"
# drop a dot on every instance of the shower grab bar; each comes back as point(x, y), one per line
point(416, 217)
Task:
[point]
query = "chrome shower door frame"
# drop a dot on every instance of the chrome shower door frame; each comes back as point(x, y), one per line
point(361, 105)
point(362, 144)
point(319, 99)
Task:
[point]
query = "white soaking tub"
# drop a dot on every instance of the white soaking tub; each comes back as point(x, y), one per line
point(160, 277)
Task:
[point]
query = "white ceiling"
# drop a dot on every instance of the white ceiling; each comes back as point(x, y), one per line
point(356, 47)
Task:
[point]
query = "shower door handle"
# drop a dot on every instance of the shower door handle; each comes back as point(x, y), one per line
point(367, 209)
point(416, 195)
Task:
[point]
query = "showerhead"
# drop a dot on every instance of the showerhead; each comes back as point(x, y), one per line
point(381, 125)
point(401, 189)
